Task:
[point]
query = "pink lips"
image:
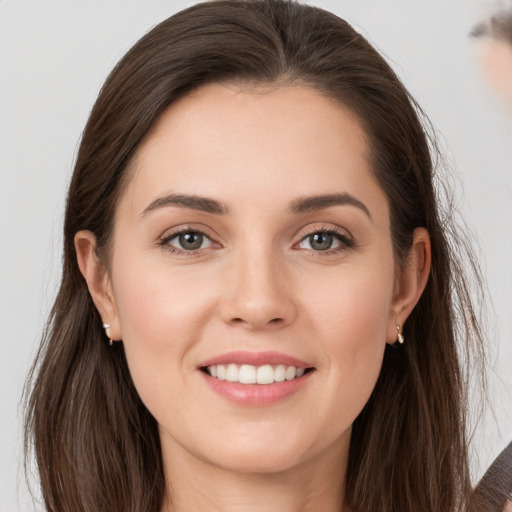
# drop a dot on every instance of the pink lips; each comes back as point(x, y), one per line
point(256, 359)
point(255, 394)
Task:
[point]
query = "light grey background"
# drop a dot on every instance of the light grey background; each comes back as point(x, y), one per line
point(54, 56)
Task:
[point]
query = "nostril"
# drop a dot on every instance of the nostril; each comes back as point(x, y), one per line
point(273, 321)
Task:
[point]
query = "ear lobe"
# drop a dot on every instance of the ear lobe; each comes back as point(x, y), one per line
point(97, 279)
point(411, 281)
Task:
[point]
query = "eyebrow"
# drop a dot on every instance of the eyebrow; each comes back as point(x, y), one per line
point(298, 206)
point(203, 204)
point(314, 203)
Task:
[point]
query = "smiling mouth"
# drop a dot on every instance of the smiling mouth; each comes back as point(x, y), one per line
point(249, 374)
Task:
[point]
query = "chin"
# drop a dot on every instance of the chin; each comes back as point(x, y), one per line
point(267, 454)
point(256, 462)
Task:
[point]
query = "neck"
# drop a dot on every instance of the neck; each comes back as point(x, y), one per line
point(314, 484)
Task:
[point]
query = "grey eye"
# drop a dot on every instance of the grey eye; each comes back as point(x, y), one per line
point(189, 241)
point(321, 241)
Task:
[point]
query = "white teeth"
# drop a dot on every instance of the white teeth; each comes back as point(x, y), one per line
point(221, 372)
point(291, 371)
point(249, 374)
point(232, 373)
point(265, 374)
point(280, 373)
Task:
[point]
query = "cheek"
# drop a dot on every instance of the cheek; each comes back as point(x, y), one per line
point(352, 309)
point(158, 303)
point(350, 320)
point(162, 313)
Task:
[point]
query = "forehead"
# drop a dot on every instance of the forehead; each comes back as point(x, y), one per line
point(239, 144)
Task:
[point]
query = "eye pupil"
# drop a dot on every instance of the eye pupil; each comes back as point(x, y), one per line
point(191, 240)
point(321, 241)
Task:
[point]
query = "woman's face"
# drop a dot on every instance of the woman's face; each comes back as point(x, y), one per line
point(253, 242)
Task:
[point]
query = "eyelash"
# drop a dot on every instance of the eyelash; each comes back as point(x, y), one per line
point(346, 242)
point(164, 241)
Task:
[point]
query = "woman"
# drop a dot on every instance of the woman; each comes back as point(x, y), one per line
point(496, 52)
point(494, 491)
point(259, 307)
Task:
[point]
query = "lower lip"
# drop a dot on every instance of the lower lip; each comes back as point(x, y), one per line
point(256, 394)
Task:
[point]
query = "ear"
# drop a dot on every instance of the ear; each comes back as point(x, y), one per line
point(98, 281)
point(410, 282)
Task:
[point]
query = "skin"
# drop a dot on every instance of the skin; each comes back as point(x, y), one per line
point(496, 63)
point(258, 285)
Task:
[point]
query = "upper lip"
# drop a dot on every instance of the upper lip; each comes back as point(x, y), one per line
point(255, 358)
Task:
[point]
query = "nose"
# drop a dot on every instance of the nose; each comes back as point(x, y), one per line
point(258, 295)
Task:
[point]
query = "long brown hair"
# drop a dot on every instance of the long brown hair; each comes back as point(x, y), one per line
point(96, 445)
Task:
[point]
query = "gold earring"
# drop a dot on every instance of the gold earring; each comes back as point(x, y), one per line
point(400, 335)
point(108, 333)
